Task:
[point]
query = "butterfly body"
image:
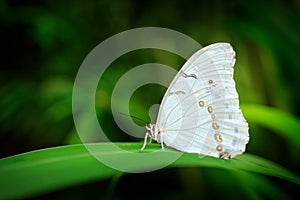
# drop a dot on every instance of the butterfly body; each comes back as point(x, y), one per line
point(200, 111)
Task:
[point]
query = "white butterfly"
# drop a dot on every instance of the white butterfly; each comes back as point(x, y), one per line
point(200, 111)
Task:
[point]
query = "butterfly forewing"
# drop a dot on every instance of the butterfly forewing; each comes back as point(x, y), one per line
point(200, 110)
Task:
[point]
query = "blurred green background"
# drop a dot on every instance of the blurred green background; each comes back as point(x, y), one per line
point(44, 43)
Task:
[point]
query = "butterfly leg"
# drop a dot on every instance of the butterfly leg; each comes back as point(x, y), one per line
point(162, 142)
point(145, 141)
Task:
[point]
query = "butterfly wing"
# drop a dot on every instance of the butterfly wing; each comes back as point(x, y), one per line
point(200, 111)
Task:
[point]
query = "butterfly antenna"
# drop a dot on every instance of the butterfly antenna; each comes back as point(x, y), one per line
point(134, 117)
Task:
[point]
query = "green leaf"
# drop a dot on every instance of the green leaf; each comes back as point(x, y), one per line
point(42, 171)
point(283, 123)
